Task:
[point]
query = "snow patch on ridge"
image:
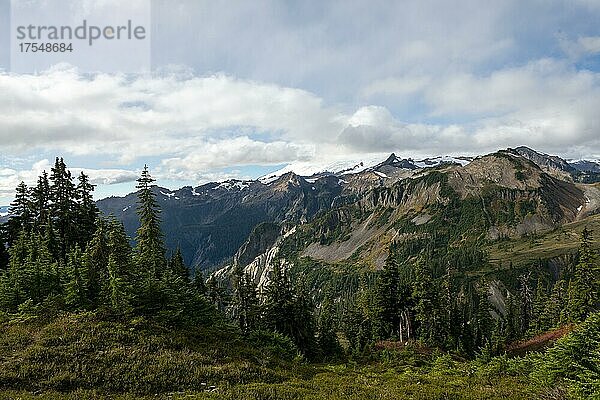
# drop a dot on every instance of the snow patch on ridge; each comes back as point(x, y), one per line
point(232, 184)
point(353, 165)
point(337, 166)
point(435, 161)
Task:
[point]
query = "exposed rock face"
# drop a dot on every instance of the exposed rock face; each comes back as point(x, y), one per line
point(262, 238)
point(552, 164)
point(261, 266)
point(361, 234)
point(579, 171)
point(502, 169)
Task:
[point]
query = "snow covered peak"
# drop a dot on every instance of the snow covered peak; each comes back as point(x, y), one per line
point(337, 166)
point(232, 184)
point(168, 194)
point(353, 165)
point(435, 161)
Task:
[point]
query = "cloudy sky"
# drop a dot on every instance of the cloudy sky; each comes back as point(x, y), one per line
point(242, 88)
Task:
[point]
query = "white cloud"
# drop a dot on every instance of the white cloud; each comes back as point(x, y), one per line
point(142, 116)
point(196, 125)
point(405, 86)
point(237, 151)
point(10, 178)
point(582, 47)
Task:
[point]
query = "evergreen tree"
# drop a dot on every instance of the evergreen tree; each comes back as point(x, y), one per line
point(583, 298)
point(450, 304)
point(15, 280)
point(20, 217)
point(555, 305)
point(178, 267)
point(303, 325)
point(245, 301)
point(63, 206)
point(539, 320)
point(360, 317)
point(480, 323)
point(524, 298)
point(41, 270)
point(118, 285)
point(514, 317)
point(41, 203)
point(96, 262)
point(76, 287)
point(87, 210)
point(3, 249)
point(51, 240)
point(216, 293)
point(278, 302)
point(428, 312)
point(389, 298)
point(199, 285)
point(149, 251)
point(327, 341)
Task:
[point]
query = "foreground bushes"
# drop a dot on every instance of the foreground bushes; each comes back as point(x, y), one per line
point(134, 356)
point(574, 360)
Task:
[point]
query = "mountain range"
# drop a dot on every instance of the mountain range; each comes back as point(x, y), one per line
point(344, 204)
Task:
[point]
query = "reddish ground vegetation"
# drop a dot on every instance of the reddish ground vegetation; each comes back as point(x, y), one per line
point(538, 342)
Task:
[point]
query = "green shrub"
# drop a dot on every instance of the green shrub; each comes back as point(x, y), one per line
point(275, 345)
point(574, 360)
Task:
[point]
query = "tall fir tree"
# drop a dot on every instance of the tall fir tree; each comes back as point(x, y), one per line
point(389, 297)
point(327, 342)
point(41, 203)
point(303, 323)
point(198, 283)
point(76, 295)
point(178, 267)
point(21, 216)
point(96, 263)
point(118, 286)
point(539, 318)
point(87, 211)
point(555, 305)
point(584, 291)
point(428, 312)
point(44, 279)
point(278, 302)
point(150, 250)
point(63, 206)
point(15, 280)
point(245, 300)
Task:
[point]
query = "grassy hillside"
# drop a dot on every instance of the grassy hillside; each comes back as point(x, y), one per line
point(87, 352)
point(555, 243)
point(80, 356)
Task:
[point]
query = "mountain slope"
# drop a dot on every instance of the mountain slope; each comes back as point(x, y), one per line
point(504, 194)
point(453, 213)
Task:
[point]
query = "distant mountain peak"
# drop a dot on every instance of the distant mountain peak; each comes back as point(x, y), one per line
point(543, 160)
